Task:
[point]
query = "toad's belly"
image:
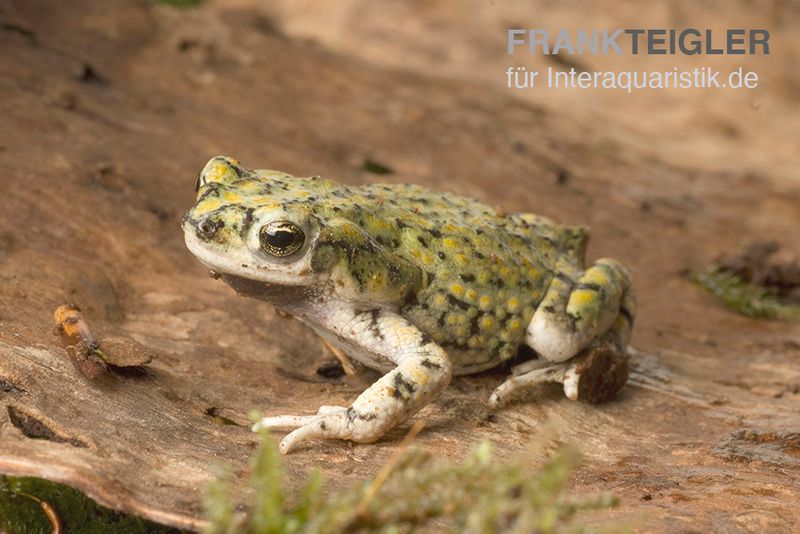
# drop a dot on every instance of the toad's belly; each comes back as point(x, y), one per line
point(465, 362)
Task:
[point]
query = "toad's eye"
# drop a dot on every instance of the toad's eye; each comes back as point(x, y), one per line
point(281, 238)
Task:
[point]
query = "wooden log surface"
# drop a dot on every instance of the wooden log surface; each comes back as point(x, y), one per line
point(108, 111)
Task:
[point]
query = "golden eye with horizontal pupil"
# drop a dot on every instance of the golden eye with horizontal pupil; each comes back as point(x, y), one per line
point(281, 238)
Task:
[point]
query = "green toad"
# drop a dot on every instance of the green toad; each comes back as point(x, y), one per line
point(417, 284)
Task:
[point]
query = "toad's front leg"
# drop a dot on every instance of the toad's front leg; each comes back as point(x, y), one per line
point(423, 370)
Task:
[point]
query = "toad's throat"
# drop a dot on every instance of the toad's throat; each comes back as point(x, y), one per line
point(273, 293)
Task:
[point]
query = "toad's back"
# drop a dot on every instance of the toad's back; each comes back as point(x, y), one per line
point(485, 272)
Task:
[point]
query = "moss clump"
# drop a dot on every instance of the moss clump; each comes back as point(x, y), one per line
point(33, 505)
point(480, 494)
point(744, 297)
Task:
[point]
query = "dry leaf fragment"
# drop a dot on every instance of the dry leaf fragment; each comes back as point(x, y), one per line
point(93, 358)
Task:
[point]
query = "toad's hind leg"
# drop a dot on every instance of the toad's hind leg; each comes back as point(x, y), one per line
point(574, 313)
point(599, 307)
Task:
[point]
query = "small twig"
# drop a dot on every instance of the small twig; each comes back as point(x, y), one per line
point(344, 360)
point(387, 468)
point(48, 510)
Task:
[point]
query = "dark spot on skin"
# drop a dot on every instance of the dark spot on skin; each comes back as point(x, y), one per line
point(401, 224)
point(235, 168)
point(373, 322)
point(395, 276)
point(323, 426)
point(468, 277)
point(456, 302)
point(498, 282)
point(403, 387)
point(426, 363)
point(425, 338)
point(527, 284)
point(550, 309)
point(590, 286)
point(435, 233)
point(352, 415)
point(454, 344)
point(564, 278)
point(211, 189)
point(422, 241)
point(479, 231)
point(474, 330)
point(479, 255)
point(247, 222)
point(441, 255)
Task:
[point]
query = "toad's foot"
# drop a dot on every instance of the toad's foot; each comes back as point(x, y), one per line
point(543, 375)
point(594, 376)
point(290, 422)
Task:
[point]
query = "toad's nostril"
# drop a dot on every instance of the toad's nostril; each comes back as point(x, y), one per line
point(208, 228)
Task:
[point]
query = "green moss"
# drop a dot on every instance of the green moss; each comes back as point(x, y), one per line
point(480, 494)
point(23, 501)
point(743, 297)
